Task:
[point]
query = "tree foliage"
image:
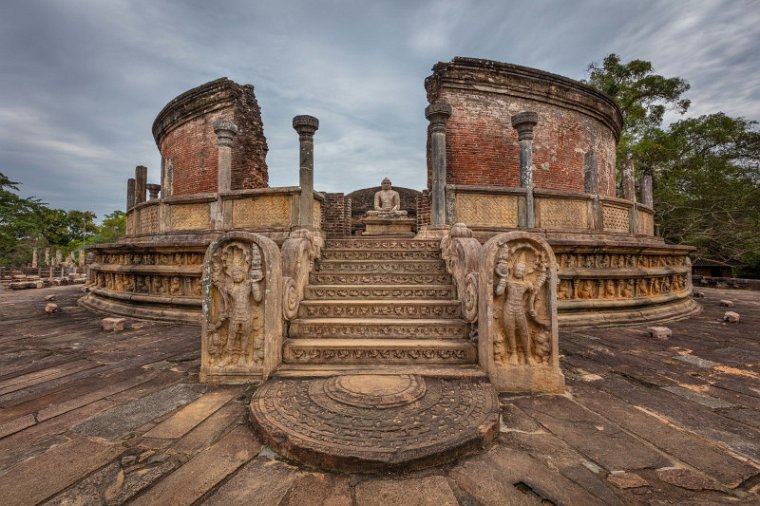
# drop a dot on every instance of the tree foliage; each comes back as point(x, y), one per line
point(28, 223)
point(706, 170)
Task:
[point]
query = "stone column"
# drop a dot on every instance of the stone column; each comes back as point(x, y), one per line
point(628, 183)
point(306, 126)
point(524, 124)
point(591, 186)
point(47, 256)
point(647, 197)
point(153, 190)
point(130, 193)
point(58, 256)
point(34, 258)
point(81, 258)
point(141, 180)
point(438, 114)
point(225, 131)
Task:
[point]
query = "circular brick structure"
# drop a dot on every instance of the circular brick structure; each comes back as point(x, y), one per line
point(372, 423)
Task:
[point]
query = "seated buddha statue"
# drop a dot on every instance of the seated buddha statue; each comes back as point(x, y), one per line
point(387, 202)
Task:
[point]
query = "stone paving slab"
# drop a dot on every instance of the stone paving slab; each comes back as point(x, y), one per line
point(113, 418)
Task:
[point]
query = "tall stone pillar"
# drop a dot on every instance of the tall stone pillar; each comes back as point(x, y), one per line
point(524, 124)
point(647, 197)
point(47, 256)
point(153, 190)
point(225, 131)
point(591, 186)
point(34, 258)
point(58, 257)
point(141, 181)
point(628, 183)
point(130, 193)
point(81, 258)
point(438, 114)
point(306, 126)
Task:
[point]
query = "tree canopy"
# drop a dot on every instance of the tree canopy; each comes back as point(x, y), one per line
point(706, 169)
point(28, 223)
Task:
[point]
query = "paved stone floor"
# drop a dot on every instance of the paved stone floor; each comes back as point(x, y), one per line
point(89, 417)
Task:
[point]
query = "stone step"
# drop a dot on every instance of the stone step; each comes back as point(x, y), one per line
point(388, 243)
point(379, 351)
point(379, 292)
point(368, 328)
point(381, 266)
point(381, 254)
point(388, 279)
point(380, 309)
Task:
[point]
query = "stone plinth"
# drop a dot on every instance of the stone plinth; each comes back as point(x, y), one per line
point(370, 423)
point(388, 224)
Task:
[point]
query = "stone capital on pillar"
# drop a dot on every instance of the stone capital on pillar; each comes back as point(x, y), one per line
point(305, 125)
point(524, 124)
point(225, 131)
point(153, 190)
point(438, 114)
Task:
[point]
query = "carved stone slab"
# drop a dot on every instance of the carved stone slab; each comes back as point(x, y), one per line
point(517, 314)
point(241, 334)
point(368, 423)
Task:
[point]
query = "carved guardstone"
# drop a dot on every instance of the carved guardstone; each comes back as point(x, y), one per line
point(241, 334)
point(517, 314)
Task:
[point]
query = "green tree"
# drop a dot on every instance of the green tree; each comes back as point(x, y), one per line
point(112, 229)
point(19, 223)
point(706, 170)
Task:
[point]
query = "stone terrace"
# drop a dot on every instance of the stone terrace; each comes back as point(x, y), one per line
point(90, 417)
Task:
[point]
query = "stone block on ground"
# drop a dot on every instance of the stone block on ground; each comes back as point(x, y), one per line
point(51, 308)
point(660, 332)
point(50, 298)
point(727, 303)
point(113, 324)
point(698, 294)
point(731, 317)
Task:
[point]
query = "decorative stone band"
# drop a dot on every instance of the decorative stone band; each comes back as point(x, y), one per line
point(490, 209)
point(260, 210)
point(241, 333)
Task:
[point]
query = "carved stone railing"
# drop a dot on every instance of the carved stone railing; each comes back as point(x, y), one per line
point(268, 210)
point(241, 332)
point(299, 252)
point(461, 253)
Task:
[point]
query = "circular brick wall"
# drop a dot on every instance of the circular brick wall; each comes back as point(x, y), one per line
point(482, 146)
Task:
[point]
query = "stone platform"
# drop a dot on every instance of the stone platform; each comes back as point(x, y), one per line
point(367, 422)
point(95, 417)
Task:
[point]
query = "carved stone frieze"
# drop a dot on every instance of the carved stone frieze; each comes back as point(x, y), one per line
point(379, 279)
point(379, 309)
point(372, 266)
point(241, 332)
point(332, 329)
point(348, 355)
point(337, 254)
point(518, 339)
point(623, 288)
point(398, 244)
point(379, 292)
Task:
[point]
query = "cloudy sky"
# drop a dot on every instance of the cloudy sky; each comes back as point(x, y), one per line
point(81, 81)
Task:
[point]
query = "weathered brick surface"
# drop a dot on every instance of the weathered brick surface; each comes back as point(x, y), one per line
point(482, 146)
point(185, 137)
point(336, 215)
point(423, 209)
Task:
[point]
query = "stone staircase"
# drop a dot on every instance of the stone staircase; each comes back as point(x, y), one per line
point(379, 302)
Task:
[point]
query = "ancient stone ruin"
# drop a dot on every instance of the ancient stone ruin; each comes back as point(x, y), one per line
point(412, 302)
